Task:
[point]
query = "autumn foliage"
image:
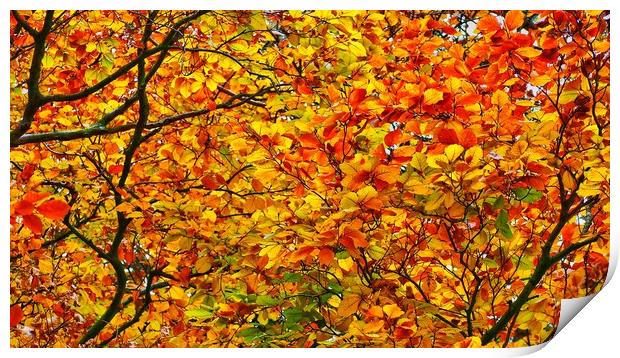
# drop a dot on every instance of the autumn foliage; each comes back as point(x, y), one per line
point(317, 178)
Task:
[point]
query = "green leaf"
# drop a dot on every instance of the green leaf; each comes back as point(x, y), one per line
point(490, 263)
point(292, 277)
point(335, 288)
point(498, 203)
point(527, 195)
point(501, 224)
point(267, 301)
point(199, 313)
point(294, 315)
point(250, 334)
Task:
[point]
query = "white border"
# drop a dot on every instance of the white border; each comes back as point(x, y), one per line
point(594, 331)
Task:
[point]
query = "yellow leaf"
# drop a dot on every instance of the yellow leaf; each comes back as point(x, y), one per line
point(435, 201)
point(568, 96)
point(473, 155)
point(355, 200)
point(346, 264)
point(418, 162)
point(209, 215)
point(334, 301)
point(239, 144)
point(500, 98)
point(203, 264)
point(432, 96)
point(357, 49)
point(270, 251)
point(392, 311)
point(45, 266)
point(185, 89)
point(366, 193)
point(177, 293)
point(528, 52)
point(453, 151)
point(540, 80)
point(454, 84)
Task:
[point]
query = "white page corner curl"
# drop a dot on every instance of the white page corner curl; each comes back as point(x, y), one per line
point(570, 307)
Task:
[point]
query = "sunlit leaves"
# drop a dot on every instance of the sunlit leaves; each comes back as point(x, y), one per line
point(309, 178)
point(514, 19)
point(363, 198)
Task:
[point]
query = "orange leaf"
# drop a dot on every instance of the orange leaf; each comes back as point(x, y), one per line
point(299, 190)
point(488, 24)
point(567, 234)
point(54, 209)
point(33, 196)
point(469, 342)
point(326, 256)
point(349, 305)
point(302, 253)
point(256, 185)
point(447, 136)
point(393, 137)
point(16, 315)
point(356, 237)
point(309, 140)
point(357, 96)
point(392, 311)
point(33, 223)
point(514, 19)
point(23, 207)
point(468, 138)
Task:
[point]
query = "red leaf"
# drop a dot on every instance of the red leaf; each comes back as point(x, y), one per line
point(33, 223)
point(447, 136)
point(27, 172)
point(301, 87)
point(23, 207)
point(468, 138)
point(357, 96)
point(209, 183)
point(567, 234)
point(16, 315)
point(115, 169)
point(54, 209)
point(393, 137)
point(185, 275)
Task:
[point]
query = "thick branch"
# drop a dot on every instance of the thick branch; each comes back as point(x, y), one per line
point(35, 99)
point(545, 262)
point(173, 34)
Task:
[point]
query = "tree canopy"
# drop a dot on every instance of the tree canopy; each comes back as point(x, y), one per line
point(315, 178)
